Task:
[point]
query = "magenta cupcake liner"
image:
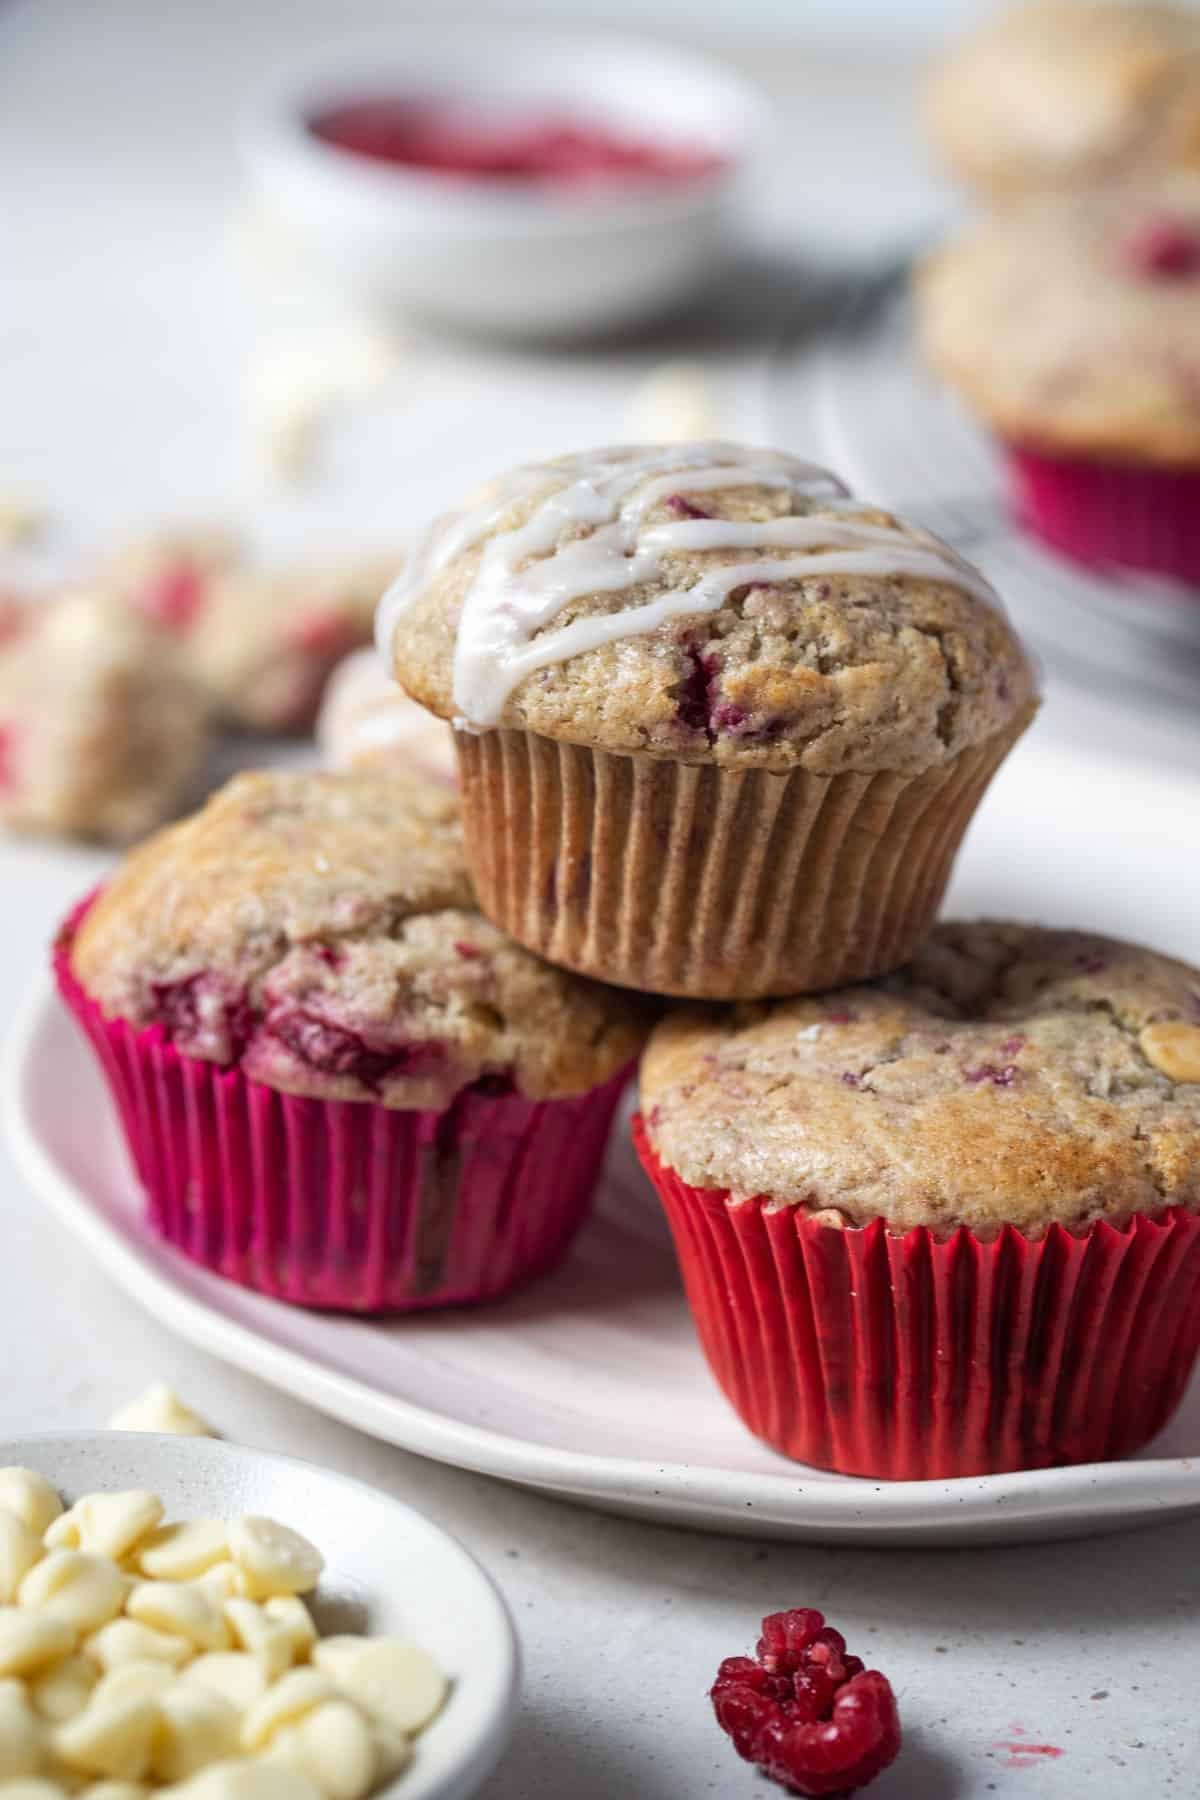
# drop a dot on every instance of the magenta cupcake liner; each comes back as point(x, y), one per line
point(1122, 516)
point(342, 1204)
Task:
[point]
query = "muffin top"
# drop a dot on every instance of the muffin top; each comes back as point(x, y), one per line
point(704, 603)
point(320, 931)
point(1074, 323)
point(1009, 1075)
point(1058, 91)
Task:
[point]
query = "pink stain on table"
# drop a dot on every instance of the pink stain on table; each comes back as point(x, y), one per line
point(1022, 1754)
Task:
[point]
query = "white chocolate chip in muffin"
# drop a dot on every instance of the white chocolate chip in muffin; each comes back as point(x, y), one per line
point(30, 1496)
point(1174, 1049)
point(85, 1591)
point(159, 1408)
point(273, 1558)
point(20, 1548)
point(106, 1524)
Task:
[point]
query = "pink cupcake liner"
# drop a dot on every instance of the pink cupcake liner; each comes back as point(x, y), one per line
point(909, 1358)
point(342, 1204)
point(1122, 516)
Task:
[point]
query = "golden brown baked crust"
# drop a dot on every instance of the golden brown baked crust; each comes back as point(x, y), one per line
point(1010, 1075)
point(823, 672)
point(1073, 324)
point(1060, 91)
point(320, 930)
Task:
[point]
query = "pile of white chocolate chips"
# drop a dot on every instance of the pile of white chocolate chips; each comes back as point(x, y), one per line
point(139, 1656)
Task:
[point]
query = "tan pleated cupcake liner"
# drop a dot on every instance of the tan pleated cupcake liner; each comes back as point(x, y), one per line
point(692, 880)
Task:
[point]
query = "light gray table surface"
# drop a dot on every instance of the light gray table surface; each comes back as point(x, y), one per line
point(127, 312)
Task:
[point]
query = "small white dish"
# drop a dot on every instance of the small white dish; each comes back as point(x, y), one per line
point(388, 1570)
point(515, 258)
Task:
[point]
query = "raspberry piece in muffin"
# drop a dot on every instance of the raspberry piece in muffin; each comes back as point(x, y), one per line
point(308, 928)
point(812, 1717)
point(101, 734)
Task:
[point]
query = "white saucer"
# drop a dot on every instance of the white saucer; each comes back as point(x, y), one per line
point(589, 1384)
point(388, 1569)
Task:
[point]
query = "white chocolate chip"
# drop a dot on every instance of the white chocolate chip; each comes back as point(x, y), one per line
point(126, 1640)
point(273, 1558)
point(248, 1781)
point(132, 1681)
point(332, 1745)
point(231, 1673)
point(290, 1611)
point(109, 1740)
point(106, 1524)
point(393, 1751)
point(30, 1496)
point(289, 1699)
point(20, 1548)
point(63, 1689)
point(397, 1683)
point(22, 1734)
point(184, 1609)
point(85, 1591)
point(196, 1727)
point(1173, 1047)
point(159, 1408)
point(223, 1581)
point(183, 1552)
point(270, 1641)
point(30, 1641)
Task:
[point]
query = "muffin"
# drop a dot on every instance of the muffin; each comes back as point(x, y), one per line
point(720, 728)
point(367, 719)
point(260, 644)
point(1072, 327)
point(102, 737)
point(1060, 92)
point(945, 1224)
point(340, 1084)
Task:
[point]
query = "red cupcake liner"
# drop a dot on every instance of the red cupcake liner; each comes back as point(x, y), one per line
point(342, 1204)
point(1122, 516)
point(910, 1358)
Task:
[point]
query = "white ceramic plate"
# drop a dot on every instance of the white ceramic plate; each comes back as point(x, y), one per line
point(388, 1569)
point(589, 1384)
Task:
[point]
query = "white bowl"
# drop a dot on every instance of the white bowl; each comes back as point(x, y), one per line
point(520, 259)
point(388, 1570)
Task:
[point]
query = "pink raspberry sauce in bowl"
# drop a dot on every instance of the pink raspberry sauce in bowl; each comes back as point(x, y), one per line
point(523, 183)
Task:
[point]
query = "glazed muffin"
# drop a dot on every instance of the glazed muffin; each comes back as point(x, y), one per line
point(1073, 329)
point(102, 737)
point(367, 720)
point(1060, 92)
point(945, 1224)
point(259, 643)
point(720, 728)
point(340, 1083)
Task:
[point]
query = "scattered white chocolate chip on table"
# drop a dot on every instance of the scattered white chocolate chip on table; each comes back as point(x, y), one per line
point(159, 1408)
point(141, 1656)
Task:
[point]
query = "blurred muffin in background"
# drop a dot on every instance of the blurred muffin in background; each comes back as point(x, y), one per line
point(1072, 326)
point(1056, 92)
point(260, 643)
point(368, 721)
point(102, 735)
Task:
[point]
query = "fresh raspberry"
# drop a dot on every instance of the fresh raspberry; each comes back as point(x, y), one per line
point(683, 508)
point(175, 597)
point(807, 1713)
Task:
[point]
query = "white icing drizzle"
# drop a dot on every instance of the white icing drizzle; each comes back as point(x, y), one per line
point(527, 576)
